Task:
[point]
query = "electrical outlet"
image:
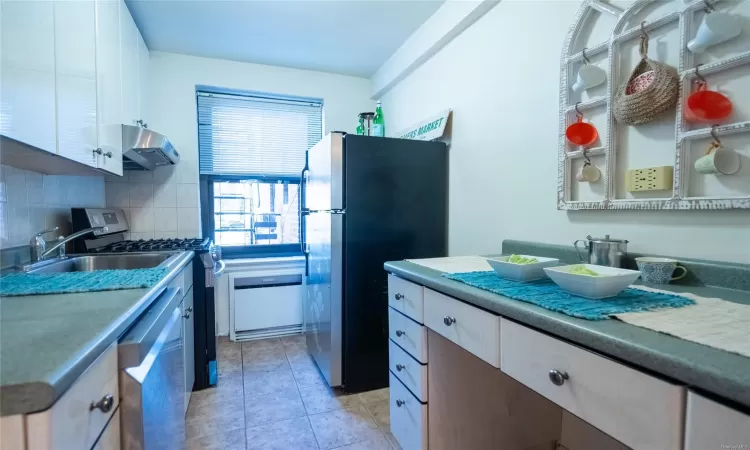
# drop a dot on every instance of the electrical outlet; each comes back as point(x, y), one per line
point(650, 179)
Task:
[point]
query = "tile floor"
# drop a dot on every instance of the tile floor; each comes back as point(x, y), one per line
point(271, 396)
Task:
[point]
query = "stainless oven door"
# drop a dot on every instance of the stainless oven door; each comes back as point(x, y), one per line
point(153, 391)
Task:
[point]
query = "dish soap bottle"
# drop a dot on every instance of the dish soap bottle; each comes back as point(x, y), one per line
point(378, 122)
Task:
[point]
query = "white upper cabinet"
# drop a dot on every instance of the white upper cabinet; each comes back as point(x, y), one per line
point(109, 85)
point(129, 38)
point(75, 75)
point(143, 78)
point(27, 85)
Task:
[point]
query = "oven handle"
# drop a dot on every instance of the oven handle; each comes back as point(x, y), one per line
point(219, 269)
point(137, 342)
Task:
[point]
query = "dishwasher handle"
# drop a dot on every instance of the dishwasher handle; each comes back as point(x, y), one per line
point(136, 344)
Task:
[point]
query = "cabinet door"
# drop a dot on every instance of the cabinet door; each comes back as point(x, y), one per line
point(129, 66)
point(75, 76)
point(189, 347)
point(476, 406)
point(108, 85)
point(27, 85)
point(143, 78)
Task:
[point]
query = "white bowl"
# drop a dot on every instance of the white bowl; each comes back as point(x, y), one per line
point(610, 282)
point(521, 272)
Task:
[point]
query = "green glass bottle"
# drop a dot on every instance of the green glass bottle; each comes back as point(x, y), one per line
point(378, 122)
point(361, 126)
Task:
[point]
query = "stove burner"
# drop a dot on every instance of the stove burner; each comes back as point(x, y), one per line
point(156, 245)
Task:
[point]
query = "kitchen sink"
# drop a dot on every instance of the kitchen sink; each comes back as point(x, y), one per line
point(89, 263)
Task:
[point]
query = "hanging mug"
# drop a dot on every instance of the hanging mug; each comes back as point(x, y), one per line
point(718, 160)
point(581, 133)
point(706, 106)
point(588, 172)
point(589, 76)
point(716, 28)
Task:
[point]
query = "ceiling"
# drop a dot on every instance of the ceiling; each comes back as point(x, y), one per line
point(351, 37)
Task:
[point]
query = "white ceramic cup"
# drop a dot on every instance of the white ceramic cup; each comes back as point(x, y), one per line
point(716, 27)
point(588, 173)
point(720, 161)
point(589, 76)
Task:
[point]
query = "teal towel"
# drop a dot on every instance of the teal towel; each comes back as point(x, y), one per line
point(64, 283)
point(547, 294)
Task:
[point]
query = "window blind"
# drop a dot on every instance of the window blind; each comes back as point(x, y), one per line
point(255, 135)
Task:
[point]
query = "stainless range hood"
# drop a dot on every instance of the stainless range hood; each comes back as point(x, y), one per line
point(144, 149)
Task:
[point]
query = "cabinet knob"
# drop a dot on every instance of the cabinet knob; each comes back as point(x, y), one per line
point(448, 320)
point(399, 296)
point(558, 378)
point(98, 151)
point(400, 403)
point(400, 367)
point(108, 154)
point(400, 333)
point(105, 404)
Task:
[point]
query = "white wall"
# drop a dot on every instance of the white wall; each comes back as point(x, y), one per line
point(501, 78)
point(31, 202)
point(164, 203)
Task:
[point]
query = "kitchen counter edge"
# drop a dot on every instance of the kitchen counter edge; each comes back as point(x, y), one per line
point(40, 395)
point(711, 371)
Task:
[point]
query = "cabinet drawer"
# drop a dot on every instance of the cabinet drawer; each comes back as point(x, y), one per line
point(408, 371)
point(406, 297)
point(471, 328)
point(639, 410)
point(408, 417)
point(110, 438)
point(408, 334)
point(712, 425)
point(187, 278)
point(70, 423)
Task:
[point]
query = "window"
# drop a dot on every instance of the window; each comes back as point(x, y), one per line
point(252, 152)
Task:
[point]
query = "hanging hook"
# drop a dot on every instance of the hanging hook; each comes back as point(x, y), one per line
point(698, 74)
point(713, 135)
point(643, 48)
point(579, 114)
point(586, 59)
point(644, 34)
point(709, 7)
point(586, 155)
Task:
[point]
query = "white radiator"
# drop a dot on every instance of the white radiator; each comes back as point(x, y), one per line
point(265, 304)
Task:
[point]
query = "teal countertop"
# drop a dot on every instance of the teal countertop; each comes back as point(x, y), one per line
point(48, 341)
point(710, 370)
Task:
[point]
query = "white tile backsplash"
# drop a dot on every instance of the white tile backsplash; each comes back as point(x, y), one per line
point(31, 202)
point(141, 195)
point(165, 195)
point(163, 203)
point(165, 219)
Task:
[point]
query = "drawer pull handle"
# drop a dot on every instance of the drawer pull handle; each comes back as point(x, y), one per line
point(400, 333)
point(558, 378)
point(400, 367)
point(448, 320)
point(400, 403)
point(105, 404)
point(399, 296)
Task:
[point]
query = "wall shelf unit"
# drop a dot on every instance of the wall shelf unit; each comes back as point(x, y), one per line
point(609, 37)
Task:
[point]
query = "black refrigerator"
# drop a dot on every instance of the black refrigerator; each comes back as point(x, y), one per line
point(365, 200)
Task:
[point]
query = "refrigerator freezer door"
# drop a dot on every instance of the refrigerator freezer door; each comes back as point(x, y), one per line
point(325, 179)
point(323, 299)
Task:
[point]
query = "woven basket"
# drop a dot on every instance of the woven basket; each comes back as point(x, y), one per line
point(644, 106)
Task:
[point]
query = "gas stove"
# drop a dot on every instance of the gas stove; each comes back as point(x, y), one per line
point(155, 245)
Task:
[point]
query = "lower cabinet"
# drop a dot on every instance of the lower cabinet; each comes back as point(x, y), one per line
point(712, 425)
point(475, 406)
point(188, 333)
point(408, 417)
point(110, 438)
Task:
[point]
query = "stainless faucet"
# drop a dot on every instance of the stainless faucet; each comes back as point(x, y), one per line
point(38, 245)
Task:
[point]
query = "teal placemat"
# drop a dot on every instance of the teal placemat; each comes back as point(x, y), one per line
point(547, 294)
point(16, 284)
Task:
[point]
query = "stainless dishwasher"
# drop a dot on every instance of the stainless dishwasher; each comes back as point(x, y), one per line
point(152, 383)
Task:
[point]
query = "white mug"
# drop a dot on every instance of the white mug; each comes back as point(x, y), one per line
point(588, 173)
point(589, 76)
point(716, 27)
point(719, 160)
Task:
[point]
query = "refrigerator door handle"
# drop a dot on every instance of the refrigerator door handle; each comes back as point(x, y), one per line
point(303, 211)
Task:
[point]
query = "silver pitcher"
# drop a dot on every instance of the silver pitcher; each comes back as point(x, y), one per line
point(603, 251)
